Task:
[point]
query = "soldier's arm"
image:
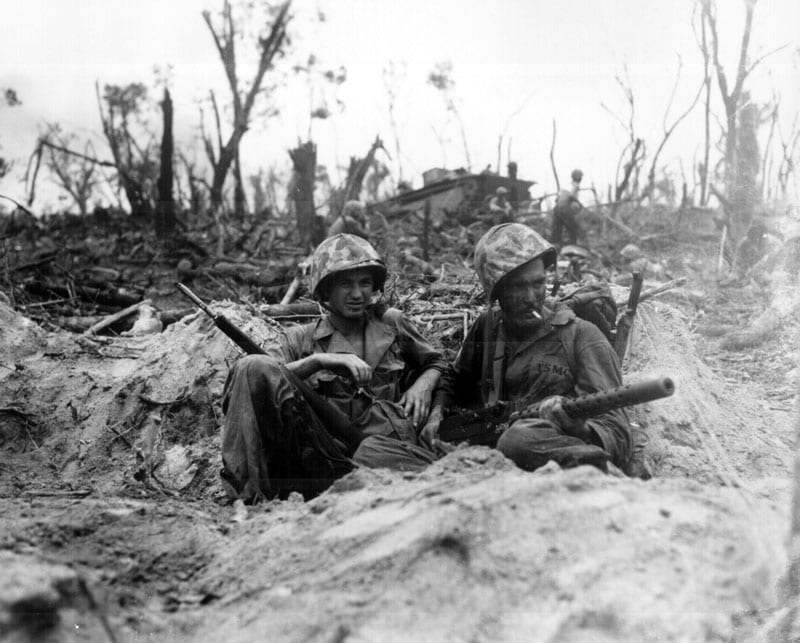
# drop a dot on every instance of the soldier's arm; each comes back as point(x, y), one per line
point(291, 353)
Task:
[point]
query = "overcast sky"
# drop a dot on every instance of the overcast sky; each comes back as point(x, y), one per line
point(517, 65)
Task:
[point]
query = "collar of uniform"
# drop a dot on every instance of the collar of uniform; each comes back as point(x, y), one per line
point(378, 337)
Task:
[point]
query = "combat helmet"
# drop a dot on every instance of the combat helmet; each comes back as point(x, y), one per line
point(505, 248)
point(344, 252)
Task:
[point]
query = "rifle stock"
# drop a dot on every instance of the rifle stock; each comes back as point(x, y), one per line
point(483, 426)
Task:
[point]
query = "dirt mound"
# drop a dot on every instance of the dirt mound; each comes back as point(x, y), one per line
point(710, 430)
point(108, 413)
point(471, 549)
point(474, 552)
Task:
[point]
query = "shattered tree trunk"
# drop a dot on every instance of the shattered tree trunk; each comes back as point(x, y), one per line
point(239, 198)
point(358, 169)
point(304, 162)
point(165, 207)
point(140, 204)
point(738, 143)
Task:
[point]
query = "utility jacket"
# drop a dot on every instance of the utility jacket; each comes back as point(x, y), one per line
point(394, 349)
point(565, 356)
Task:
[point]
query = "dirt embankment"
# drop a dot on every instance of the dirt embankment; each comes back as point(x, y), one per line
point(108, 481)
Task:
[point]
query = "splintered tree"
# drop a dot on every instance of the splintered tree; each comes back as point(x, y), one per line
point(441, 78)
point(393, 77)
point(668, 129)
point(134, 162)
point(301, 192)
point(270, 46)
point(75, 174)
point(741, 157)
point(165, 203)
point(633, 154)
point(357, 171)
point(10, 99)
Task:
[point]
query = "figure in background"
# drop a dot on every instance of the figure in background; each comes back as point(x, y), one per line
point(566, 211)
point(500, 209)
point(352, 220)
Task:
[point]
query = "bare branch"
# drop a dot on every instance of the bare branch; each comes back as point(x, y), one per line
point(614, 116)
point(78, 154)
point(552, 157)
point(761, 59)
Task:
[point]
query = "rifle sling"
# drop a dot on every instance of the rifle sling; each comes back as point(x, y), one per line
point(335, 421)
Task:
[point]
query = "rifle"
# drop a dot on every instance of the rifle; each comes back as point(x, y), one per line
point(625, 322)
point(484, 426)
point(338, 423)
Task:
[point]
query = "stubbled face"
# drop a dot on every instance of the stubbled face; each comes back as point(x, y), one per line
point(351, 293)
point(521, 296)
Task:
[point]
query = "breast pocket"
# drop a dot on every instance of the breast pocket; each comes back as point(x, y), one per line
point(550, 370)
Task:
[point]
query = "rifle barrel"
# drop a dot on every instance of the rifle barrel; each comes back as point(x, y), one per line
point(616, 398)
point(198, 302)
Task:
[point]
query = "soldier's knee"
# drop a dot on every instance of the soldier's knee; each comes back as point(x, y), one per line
point(510, 442)
point(370, 451)
point(256, 365)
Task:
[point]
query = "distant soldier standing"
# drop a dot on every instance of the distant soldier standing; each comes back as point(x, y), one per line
point(566, 211)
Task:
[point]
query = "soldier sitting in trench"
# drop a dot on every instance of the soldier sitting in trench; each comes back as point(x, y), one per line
point(527, 353)
point(355, 358)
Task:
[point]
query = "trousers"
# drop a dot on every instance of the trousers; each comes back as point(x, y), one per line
point(274, 443)
point(529, 443)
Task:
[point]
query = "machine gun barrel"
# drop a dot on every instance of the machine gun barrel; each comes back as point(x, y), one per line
point(617, 398)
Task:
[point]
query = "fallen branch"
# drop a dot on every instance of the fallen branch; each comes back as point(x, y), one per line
point(653, 292)
point(291, 291)
point(107, 321)
point(620, 225)
point(106, 297)
point(295, 309)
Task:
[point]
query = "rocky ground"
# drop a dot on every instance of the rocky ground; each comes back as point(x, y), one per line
point(114, 526)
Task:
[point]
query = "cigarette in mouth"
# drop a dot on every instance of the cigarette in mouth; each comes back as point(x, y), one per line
point(536, 315)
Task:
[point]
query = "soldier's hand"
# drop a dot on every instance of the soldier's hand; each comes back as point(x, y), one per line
point(552, 409)
point(416, 400)
point(346, 363)
point(430, 432)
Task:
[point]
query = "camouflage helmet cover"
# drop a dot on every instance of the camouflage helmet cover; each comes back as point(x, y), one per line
point(577, 175)
point(344, 252)
point(505, 248)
